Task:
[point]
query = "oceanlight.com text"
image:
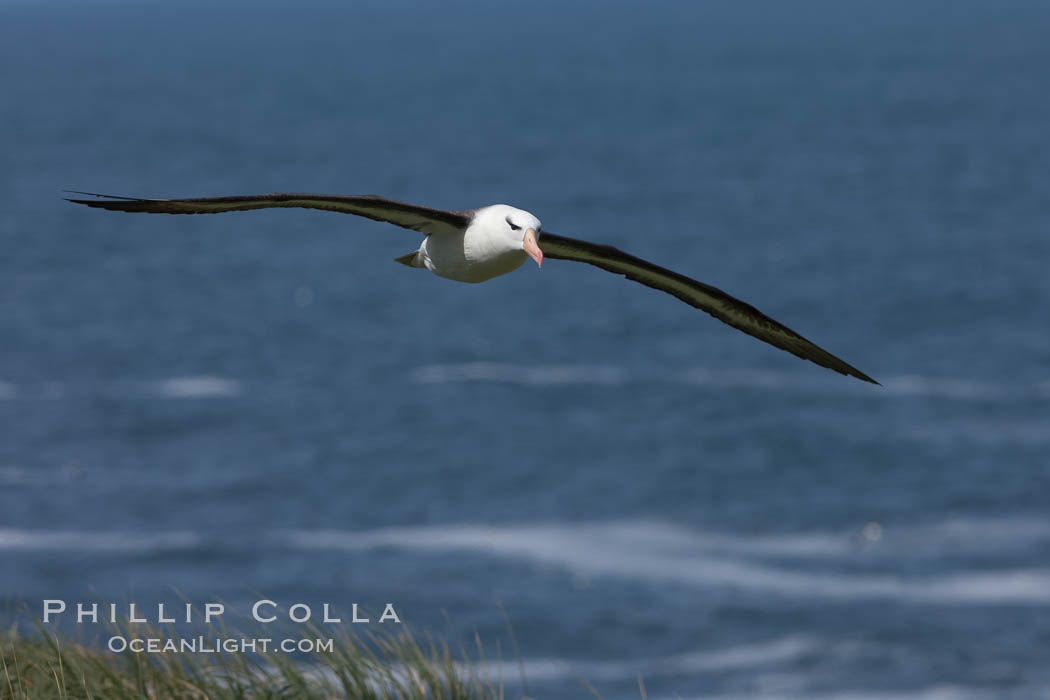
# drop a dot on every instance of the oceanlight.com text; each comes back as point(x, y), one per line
point(214, 645)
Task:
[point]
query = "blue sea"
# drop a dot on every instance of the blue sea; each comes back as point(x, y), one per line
point(265, 405)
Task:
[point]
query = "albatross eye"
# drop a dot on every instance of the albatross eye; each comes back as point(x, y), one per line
point(512, 226)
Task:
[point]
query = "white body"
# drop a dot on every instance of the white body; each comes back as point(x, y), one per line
point(489, 247)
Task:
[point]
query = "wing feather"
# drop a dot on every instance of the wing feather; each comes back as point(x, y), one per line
point(411, 216)
point(712, 300)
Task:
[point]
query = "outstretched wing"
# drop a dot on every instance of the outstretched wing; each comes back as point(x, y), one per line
point(714, 301)
point(410, 216)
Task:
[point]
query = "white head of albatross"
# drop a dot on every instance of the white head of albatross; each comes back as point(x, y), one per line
point(498, 240)
point(474, 245)
point(524, 228)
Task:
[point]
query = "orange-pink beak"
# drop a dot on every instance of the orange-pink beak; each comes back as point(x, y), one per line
point(532, 248)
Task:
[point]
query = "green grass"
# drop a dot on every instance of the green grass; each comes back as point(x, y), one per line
point(45, 665)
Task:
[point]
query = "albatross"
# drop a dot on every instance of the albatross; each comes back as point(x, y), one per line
point(475, 245)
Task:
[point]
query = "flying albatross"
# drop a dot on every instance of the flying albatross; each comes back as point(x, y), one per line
point(475, 245)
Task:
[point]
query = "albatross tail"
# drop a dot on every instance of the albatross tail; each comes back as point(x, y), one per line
point(412, 259)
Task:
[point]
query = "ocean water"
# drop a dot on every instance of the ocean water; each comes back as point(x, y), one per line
point(264, 404)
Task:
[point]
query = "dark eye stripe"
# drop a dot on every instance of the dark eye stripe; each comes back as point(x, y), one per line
point(512, 226)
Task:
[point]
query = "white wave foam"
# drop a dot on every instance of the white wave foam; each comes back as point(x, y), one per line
point(935, 692)
point(41, 540)
point(198, 387)
point(42, 391)
point(957, 536)
point(751, 379)
point(191, 387)
point(892, 387)
point(976, 535)
point(1030, 431)
point(747, 656)
point(14, 475)
point(652, 551)
point(913, 385)
point(518, 374)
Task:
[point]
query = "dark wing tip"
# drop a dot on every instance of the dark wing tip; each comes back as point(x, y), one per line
point(815, 354)
point(106, 201)
point(861, 375)
point(826, 359)
point(854, 372)
point(101, 196)
point(819, 356)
